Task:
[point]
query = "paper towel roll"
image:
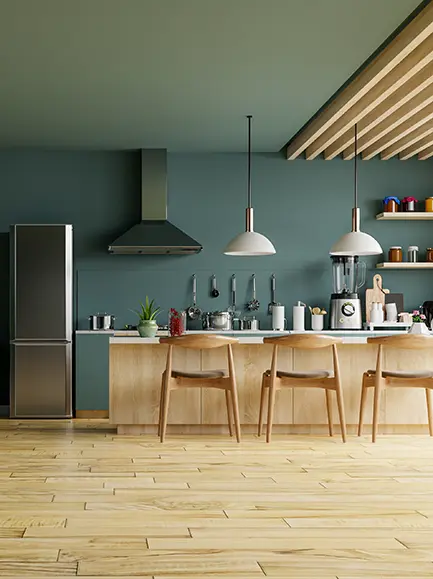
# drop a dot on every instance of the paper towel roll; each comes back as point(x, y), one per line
point(278, 319)
point(299, 317)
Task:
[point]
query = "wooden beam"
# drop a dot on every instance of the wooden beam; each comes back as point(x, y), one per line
point(420, 28)
point(416, 148)
point(406, 128)
point(411, 65)
point(407, 141)
point(406, 101)
point(425, 154)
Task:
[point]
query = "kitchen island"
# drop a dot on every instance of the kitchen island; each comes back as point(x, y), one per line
point(136, 366)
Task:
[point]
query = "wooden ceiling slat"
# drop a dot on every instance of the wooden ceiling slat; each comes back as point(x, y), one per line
point(397, 108)
point(416, 148)
point(402, 73)
point(425, 154)
point(414, 34)
point(407, 141)
point(403, 129)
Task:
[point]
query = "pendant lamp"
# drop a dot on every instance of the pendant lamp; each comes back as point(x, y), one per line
point(356, 242)
point(249, 242)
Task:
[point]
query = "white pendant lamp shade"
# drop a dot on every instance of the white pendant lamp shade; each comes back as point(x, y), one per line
point(356, 242)
point(249, 243)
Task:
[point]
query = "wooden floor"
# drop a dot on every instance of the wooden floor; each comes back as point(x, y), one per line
point(76, 499)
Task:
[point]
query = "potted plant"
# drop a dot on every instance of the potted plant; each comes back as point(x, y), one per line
point(418, 324)
point(147, 326)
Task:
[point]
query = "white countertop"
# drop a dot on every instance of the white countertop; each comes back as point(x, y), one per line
point(256, 337)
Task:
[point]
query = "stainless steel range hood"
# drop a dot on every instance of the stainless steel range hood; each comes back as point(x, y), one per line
point(154, 234)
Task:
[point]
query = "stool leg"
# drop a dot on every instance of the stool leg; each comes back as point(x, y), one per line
point(329, 411)
point(165, 410)
point(229, 412)
point(161, 404)
point(234, 396)
point(340, 404)
point(262, 407)
point(376, 409)
point(429, 411)
point(362, 405)
point(271, 404)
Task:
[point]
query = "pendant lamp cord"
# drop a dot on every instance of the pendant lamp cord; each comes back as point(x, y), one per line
point(356, 165)
point(249, 117)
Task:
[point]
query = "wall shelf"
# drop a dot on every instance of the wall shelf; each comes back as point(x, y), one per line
point(405, 265)
point(406, 216)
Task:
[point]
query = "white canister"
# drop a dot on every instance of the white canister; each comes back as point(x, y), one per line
point(391, 312)
point(317, 322)
point(376, 313)
point(299, 317)
point(278, 320)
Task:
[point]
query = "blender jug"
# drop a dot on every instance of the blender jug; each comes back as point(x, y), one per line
point(348, 274)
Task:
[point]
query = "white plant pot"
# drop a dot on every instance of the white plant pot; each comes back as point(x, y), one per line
point(419, 328)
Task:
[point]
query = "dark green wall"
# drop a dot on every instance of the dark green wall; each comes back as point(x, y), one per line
point(302, 206)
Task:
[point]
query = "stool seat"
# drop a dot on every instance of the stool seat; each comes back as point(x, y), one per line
point(403, 374)
point(199, 374)
point(311, 374)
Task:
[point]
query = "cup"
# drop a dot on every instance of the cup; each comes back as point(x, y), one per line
point(391, 312)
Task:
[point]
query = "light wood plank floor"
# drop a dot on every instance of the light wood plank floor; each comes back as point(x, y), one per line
point(76, 499)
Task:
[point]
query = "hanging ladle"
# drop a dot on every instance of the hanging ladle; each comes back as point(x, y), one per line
point(194, 312)
point(214, 291)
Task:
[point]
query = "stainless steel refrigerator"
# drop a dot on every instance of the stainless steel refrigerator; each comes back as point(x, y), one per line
point(41, 321)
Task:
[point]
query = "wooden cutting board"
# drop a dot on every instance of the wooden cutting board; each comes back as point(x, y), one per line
point(375, 295)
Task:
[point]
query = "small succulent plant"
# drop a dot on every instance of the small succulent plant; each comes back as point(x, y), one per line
point(148, 311)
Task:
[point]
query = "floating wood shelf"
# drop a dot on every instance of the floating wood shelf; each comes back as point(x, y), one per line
point(406, 216)
point(390, 99)
point(405, 265)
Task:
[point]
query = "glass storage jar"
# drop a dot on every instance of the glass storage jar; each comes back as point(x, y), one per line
point(176, 322)
point(429, 254)
point(409, 204)
point(395, 254)
point(429, 204)
point(412, 253)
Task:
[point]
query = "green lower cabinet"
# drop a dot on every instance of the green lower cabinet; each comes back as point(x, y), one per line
point(92, 372)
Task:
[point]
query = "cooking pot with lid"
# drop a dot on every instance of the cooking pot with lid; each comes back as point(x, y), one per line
point(217, 321)
point(101, 322)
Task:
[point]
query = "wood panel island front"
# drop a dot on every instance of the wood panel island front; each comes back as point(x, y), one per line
point(137, 364)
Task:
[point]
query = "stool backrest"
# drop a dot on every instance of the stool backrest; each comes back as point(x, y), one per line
point(199, 341)
point(403, 341)
point(303, 341)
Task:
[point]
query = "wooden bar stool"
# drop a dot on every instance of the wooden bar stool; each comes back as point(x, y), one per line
point(274, 379)
point(221, 379)
point(380, 378)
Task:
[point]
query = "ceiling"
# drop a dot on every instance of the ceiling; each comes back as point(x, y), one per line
point(181, 74)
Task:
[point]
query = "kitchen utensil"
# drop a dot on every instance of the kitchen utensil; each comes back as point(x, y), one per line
point(217, 321)
point(299, 317)
point(232, 306)
point(279, 321)
point(253, 305)
point(101, 322)
point(193, 311)
point(252, 324)
point(377, 294)
point(214, 291)
point(398, 299)
point(273, 301)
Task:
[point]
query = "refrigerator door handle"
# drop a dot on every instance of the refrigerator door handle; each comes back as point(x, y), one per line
point(40, 342)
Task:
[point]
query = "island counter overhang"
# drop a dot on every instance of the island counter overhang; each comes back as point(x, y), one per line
point(136, 366)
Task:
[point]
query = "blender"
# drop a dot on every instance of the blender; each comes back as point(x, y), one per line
point(348, 275)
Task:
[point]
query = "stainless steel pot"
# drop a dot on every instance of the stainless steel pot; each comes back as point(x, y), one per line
point(217, 321)
point(101, 322)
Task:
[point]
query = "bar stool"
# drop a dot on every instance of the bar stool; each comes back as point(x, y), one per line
point(221, 379)
point(275, 379)
point(380, 378)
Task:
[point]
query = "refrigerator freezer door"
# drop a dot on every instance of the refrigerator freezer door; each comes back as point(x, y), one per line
point(42, 278)
point(41, 380)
